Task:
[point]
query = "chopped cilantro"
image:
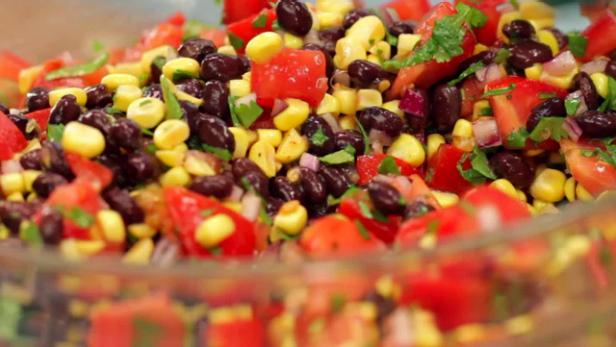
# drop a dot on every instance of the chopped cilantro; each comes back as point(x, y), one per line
point(475, 17)
point(546, 95)
point(548, 128)
point(364, 134)
point(610, 100)
point(235, 41)
point(501, 55)
point(80, 217)
point(265, 218)
point(221, 153)
point(486, 111)
point(343, 156)
point(499, 91)
point(174, 110)
point(181, 75)
point(98, 46)
point(319, 137)
point(151, 148)
point(260, 21)
point(362, 230)
point(147, 132)
point(113, 110)
point(276, 26)
point(389, 166)
point(159, 62)
point(331, 200)
point(391, 39)
point(607, 155)
point(572, 105)
point(469, 71)
point(480, 167)
point(372, 214)
point(79, 70)
point(30, 234)
point(55, 132)
point(432, 227)
point(244, 114)
point(577, 44)
point(517, 139)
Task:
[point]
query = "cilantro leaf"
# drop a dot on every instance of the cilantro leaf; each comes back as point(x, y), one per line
point(319, 137)
point(363, 232)
point(331, 200)
point(80, 217)
point(235, 41)
point(610, 100)
point(486, 111)
point(221, 153)
point(517, 139)
point(577, 44)
point(548, 128)
point(469, 71)
point(480, 167)
point(389, 166)
point(260, 21)
point(276, 26)
point(391, 39)
point(364, 134)
point(343, 156)
point(79, 70)
point(55, 132)
point(372, 214)
point(499, 91)
point(244, 114)
point(29, 233)
point(475, 17)
point(174, 110)
point(501, 55)
point(572, 105)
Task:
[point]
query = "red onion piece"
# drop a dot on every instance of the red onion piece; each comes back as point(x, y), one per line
point(11, 166)
point(165, 253)
point(340, 77)
point(236, 194)
point(331, 120)
point(279, 106)
point(309, 161)
point(415, 103)
point(572, 128)
point(561, 65)
point(380, 136)
point(578, 95)
point(489, 73)
point(251, 204)
point(486, 132)
point(597, 65)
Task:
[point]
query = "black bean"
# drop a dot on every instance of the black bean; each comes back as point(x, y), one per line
point(353, 16)
point(385, 198)
point(273, 205)
point(610, 68)
point(97, 119)
point(222, 67)
point(196, 49)
point(115, 163)
point(246, 171)
point(46, 183)
point(329, 38)
point(597, 124)
point(121, 201)
point(37, 99)
point(384, 305)
point(294, 17)
point(66, 110)
point(31, 160)
point(513, 167)
point(52, 158)
point(319, 134)
point(26, 126)
point(12, 213)
point(192, 115)
point(314, 187)
point(216, 99)
point(283, 189)
point(51, 226)
point(350, 138)
point(399, 28)
point(561, 38)
point(125, 133)
point(335, 180)
point(329, 62)
point(518, 29)
point(417, 209)
point(526, 53)
point(194, 87)
point(156, 69)
point(553, 107)
point(583, 82)
point(98, 96)
point(446, 107)
point(381, 119)
point(320, 210)
point(141, 166)
point(214, 132)
point(365, 74)
point(153, 91)
point(219, 186)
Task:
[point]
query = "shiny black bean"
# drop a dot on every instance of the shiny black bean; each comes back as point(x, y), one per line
point(12, 213)
point(156, 69)
point(273, 205)
point(446, 107)
point(214, 132)
point(329, 38)
point(561, 38)
point(114, 163)
point(381, 119)
point(513, 167)
point(417, 209)
point(320, 210)
point(399, 28)
point(196, 49)
point(350, 138)
point(597, 124)
point(153, 91)
point(37, 99)
point(66, 110)
point(554, 107)
point(194, 87)
point(385, 198)
point(222, 67)
point(526, 53)
point(192, 115)
point(518, 29)
point(216, 99)
point(335, 180)
point(246, 171)
point(125, 133)
point(319, 134)
point(98, 96)
point(365, 74)
point(353, 16)
point(31, 160)
point(46, 182)
point(610, 69)
point(329, 62)
point(26, 126)
point(141, 166)
point(97, 119)
point(315, 191)
point(283, 189)
point(294, 17)
point(52, 158)
point(583, 82)
point(218, 186)
point(51, 226)
point(121, 201)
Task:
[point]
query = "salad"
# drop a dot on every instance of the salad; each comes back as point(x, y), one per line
point(309, 131)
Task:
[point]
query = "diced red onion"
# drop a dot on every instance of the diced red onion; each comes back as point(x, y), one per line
point(251, 205)
point(340, 77)
point(380, 136)
point(246, 100)
point(572, 128)
point(489, 73)
point(331, 120)
point(309, 161)
point(165, 253)
point(236, 194)
point(415, 103)
point(390, 16)
point(579, 96)
point(489, 218)
point(279, 106)
point(322, 83)
point(485, 131)
point(597, 65)
point(11, 166)
point(562, 65)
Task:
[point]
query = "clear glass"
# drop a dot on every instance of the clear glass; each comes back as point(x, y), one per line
point(545, 283)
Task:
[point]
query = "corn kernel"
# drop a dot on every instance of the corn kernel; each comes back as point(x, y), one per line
point(599, 79)
point(536, 10)
point(83, 139)
point(271, 136)
point(368, 98)
point(148, 57)
point(292, 146)
point(128, 68)
point(141, 231)
point(57, 94)
point(433, 143)
point(348, 122)
point(583, 194)
point(505, 19)
point(347, 100)
point(381, 49)
point(570, 189)
point(171, 133)
point(374, 59)
point(239, 88)
point(479, 48)
point(12, 183)
point(77, 249)
point(125, 95)
point(183, 96)
point(247, 76)
point(445, 199)
point(197, 166)
point(348, 49)
point(293, 116)
point(169, 157)
point(547, 38)
point(18, 197)
point(291, 218)
point(29, 177)
point(146, 112)
point(367, 30)
point(394, 106)
point(329, 104)
point(549, 186)
point(521, 195)
point(506, 187)
point(176, 177)
point(27, 77)
point(111, 224)
point(479, 109)
point(341, 7)
point(263, 47)
point(534, 72)
point(242, 141)
point(114, 81)
point(264, 155)
point(329, 19)
point(463, 135)
point(292, 41)
point(215, 229)
point(540, 24)
point(564, 82)
point(408, 148)
point(406, 44)
point(227, 50)
point(181, 67)
point(140, 253)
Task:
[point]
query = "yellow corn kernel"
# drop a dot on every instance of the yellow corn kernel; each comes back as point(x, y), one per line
point(540, 24)
point(521, 195)
point(599, 79)
point(292, 146)
point(347, 100)
point(181, 66)
point(394, 106)
point(368, 98)
point(176, 177)
point(506, 187)
point(543, 207)
point(536, 10)
point(408, 148)
point(148, 57)
point(479, 109)
point(433, 143)
point(374, 59)
point(114, 81)
point(227, 50)
point(12, 183)
point(169, 157)
point(348, 122)
point(271, 136)
point(563, 82)
point(341, 7)
point(141, 231)
point(171, 133)
point(367, 30)
point(263, 47)
point(197, 166)
point(463, 135)
point(83, 139)
point(547, 37)
point(125, 95)
point(247, 76)
point(291, 218)
point(348, 49)
point(383, 85)
point(479, 48)
point(111, 224)
point(381, 49)
point(549, 186)
point(329, 19)
point(329, 104)
point(146, 112)
point(445, 199)
point(534, 72)
point(242, 141)
point(263, 154)
point(128, 68)
point(239, 88)
point(505, 19)
point(140, 253)
point(583, 194)
point(29, 177)
point(570, 189)
point(292, 41)
point(57, 94)
point(27, 77)
point(406, 44)
point(183, 96)
point(293, 116)
point(89, 248)
point(215, 229)
point(19, 197)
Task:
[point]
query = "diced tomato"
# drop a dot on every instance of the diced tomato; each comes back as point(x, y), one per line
point(12, 140)
point(169, 33)
point(368, 167)
point(216, 35)
point(293, 73)
point(98, 175)
point(245, 29)
point(510, 209)
point(409, 9)
point(443, 9)
point(601, 35)
point(11, 65)
point(332, 235)
point(187, 211)
point(487, 33)
point(52, 65)
point(235, 10)
point(237, 333)
point(472, 90)
point(384, 231)
point(442, 223)
point(443, 173)
point(41, 117)
point(592, 173)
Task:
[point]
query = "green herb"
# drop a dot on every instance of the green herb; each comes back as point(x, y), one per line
point(80, 217)
point(469, 71)
point(193, 28)
point(260, 21)
point(577, 44)
point(372, 214)
point(363, 232)
point(319, 137)
point(147, 132)
point(159, 62)
point(546, 95)
point(572, 105)
point(276, 26)
point(607, 155)
point(610, 100)
point(475, 17)
point(364, 134)
point(174, 110)
point(486, 111)
point(432, 227)
point(235, 41)
point(337, 302)
point(389, 166)
point(246, 184)
point(221, 153)
point(113, 110)
point(244, 114)
point(55, 132)
point(501, 56)
point(265, 218)
point(79, 70)
point(331, 201)
point(391, 39)
point(207, 212)
point(30, 234)
point(548, 127)
point(480, 167)
point(97, 46)
point(499, 91)
point(181, 75)
point(151, 148)
point(343, 156)
point(517, 139)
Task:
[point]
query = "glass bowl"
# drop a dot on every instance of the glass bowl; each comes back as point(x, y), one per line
point(549, 282)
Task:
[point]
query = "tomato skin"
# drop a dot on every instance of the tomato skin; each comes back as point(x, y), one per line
point(169, 33)
point(487, 33)
point(595, 175)
point(185, 208)
point(41, 117)
point(384, 231)
point(409, 9)
point(216, 35)
point(245, 30)
point(238, 333)
point(510, 209)
point(293, 73)
point(443, 173)
point(368, 167)
point(98, 175)
point(601, 35)
point(472, 90)
point(11, 138)
point(11, 65)
point(235, 10)
point(334, 235)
